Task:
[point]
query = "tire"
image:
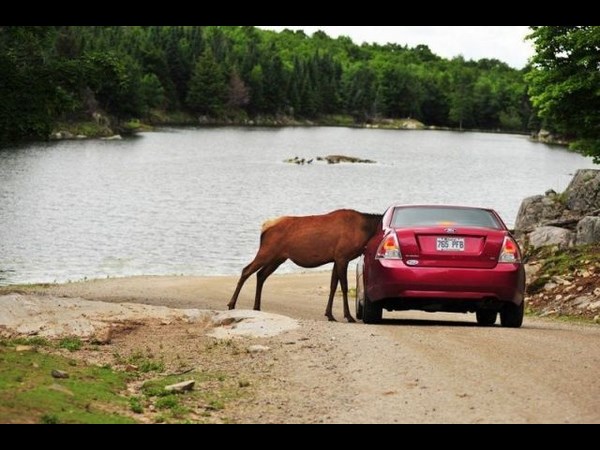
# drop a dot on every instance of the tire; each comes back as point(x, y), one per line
point(359, 298)
point(372, 312)
point(359, 309)
point(511, 315)
point(485, 317)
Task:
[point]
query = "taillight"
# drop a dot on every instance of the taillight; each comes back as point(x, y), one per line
point(389, 248)
point(510, 251)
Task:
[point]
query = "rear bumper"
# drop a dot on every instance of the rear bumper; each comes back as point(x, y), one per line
point(392, 279)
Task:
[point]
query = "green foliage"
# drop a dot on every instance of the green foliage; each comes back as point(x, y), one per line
point(208, 88)
point(49, 419)
point(146, 363)
point(564, 80)
point(152, 91)
point(35, 341)
point(70, 343)
point(28, 393)
point(64, 74)
point(167, 402)
point(135, 404)
point(28, 95)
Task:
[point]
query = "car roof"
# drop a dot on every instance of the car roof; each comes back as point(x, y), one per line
point(387, 217)
point(403, 205)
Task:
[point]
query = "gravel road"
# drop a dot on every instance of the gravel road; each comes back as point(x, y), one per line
point(413, 368)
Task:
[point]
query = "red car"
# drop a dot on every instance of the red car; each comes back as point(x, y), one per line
point(442, 258)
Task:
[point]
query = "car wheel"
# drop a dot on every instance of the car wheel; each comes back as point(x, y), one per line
point(485, 317)
point(359, 296)
point(372, 312)
point(511, 315)
point(359, 309)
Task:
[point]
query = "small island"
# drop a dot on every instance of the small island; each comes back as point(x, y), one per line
point(330, 159)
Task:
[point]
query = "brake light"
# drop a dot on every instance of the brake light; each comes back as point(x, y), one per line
point(510, 251)
point(389, 248)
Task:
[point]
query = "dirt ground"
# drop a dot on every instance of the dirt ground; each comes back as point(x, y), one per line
point(413, 368)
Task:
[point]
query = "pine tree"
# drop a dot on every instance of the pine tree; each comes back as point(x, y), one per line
point(208, 88)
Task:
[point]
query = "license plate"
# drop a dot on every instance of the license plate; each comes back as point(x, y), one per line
point(450, 244)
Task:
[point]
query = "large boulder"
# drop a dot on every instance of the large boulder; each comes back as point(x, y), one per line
point(565, 219)
point(542, 236)
point(536, 210)
point(583, 193)
point(588, 230)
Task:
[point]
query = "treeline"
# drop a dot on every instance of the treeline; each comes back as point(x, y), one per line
point(70, 73)
point(564, 83)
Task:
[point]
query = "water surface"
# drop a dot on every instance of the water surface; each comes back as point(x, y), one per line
point(191, 201)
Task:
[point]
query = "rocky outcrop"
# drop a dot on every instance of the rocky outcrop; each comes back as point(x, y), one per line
point(336, 159)
point(396, 124)
point(583, 193)
point(588, 230)
point(572, 217)
point(330, 159)
point(542, 236)
point(548, 137)
point(537, 210)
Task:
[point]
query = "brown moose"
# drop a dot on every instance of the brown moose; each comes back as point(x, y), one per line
point(311, 241)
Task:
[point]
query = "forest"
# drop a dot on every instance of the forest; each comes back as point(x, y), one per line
point(236, 73)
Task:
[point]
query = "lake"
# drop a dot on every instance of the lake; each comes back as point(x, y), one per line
point(191, 201)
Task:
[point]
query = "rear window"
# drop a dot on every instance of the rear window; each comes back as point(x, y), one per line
point(443, 217)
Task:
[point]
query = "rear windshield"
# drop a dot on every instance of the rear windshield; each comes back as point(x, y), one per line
point(443, 217)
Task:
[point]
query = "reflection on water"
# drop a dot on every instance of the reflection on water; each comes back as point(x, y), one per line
point(191, 201)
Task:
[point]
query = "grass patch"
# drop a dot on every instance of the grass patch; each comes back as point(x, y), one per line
point(35, 341)
point(213, 392)
point(135, 404)
point(566, 318)
point(85, 128)
point(565, 261)
point(134, 126)
point(145, 363)
point(167, 402)
point(29, 394)
point(72, 343)
point(49, 419)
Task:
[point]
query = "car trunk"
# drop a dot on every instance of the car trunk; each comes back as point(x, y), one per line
point(466, 247)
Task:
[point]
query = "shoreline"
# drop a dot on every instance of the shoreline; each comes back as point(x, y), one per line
point(73, 130)
point(298, 295)
point(33, 284)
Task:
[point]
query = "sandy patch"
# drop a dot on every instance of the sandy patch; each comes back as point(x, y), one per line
point(52, 317)
point(248, 323)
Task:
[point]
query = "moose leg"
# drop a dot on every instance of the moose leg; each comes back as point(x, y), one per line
point(334, 283)
point(261, 276)
point(342, 270)
point(246, 272)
